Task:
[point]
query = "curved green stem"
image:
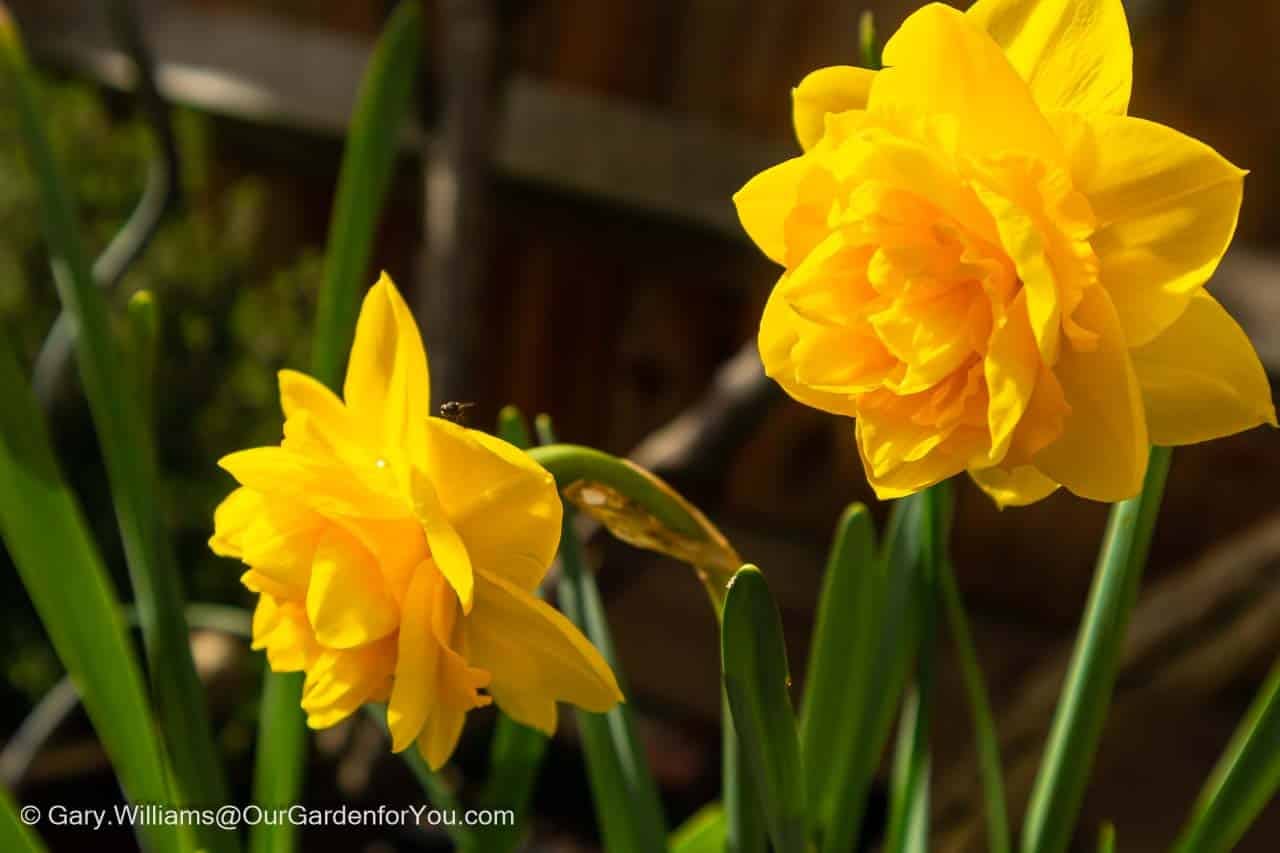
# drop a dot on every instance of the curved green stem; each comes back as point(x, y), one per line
point(570, 463)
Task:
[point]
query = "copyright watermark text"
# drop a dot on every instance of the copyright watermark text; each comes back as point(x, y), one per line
point(235, 817)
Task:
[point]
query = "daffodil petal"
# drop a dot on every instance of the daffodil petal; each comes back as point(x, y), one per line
point(1102, 452)
point(1201, 378)
point(934, 457)
point(447, 548)
point(835, 89)
point(347, 602)
point(1014, 487)
point(480, 478)
point(324, 486)
point(778, 339)
point(440, 737)
point(1074, 54)
point(941, 63)
point(417, 660)
point(281, 544)
point(387, 387)
point(326, 417)
point(231, 519)
point(281, 628)
point(535, 655)
point(1166, 205)
point(1011, 367)
point(765, 202)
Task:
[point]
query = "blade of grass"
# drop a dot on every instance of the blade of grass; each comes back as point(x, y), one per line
point(383, 107)
point(15, 837)
point(844, 641)
point(856, 756)
point(986, 741)
point(1244, 781)
point(704, 832)
point(125, 441)
point(1082, 708)
point(625, 796)
point(517, 751)
point(62, 571)
point(757, 681)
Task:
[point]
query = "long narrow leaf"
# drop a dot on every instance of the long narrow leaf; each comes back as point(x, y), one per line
point(856, 756)
point(1244, 782)
point(279, 764)
point(622, 788)
point(744, 822)
point(15, 837)
point(844, 643)
point(63, 573)
point(383, 107)
point(986, 741)
point(909, 804)
point(516, 755)
point(1082, 708)
point(702, 833)
point(125, 440)
point(756, 680)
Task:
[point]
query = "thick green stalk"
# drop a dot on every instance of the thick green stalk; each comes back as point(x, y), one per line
point(1082, 708)
point(126, 443)
point(15, 837)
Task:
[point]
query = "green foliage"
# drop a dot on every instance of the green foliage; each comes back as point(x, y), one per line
point(622, 788)
point(1244, 782)
point(757, 681)
point(1086, 696)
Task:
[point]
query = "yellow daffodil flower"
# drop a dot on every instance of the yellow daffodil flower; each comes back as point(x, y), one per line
point(396, 555)
point(993, 268)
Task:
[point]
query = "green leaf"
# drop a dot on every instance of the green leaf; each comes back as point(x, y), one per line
point(383, 107)
point(280, 762)
point(909, 801)
point(856, 755)
point(868, 43)
point(62, 571)
point(516, 755)
point(622, 788)
point(840, 656)
point(704, 832)
point(15, 837)
point(143, 327)
point(1107, 839)
point(1082, 708)
point(744, 822)
point(986, 739)
point(126, 443)
point(1245, 780)
point(757, 682)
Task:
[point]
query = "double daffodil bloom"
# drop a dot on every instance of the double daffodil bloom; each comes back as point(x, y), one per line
point(396, 555)
point(993, 268)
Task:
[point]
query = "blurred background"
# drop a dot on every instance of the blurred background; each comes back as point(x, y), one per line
point(560, 221)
